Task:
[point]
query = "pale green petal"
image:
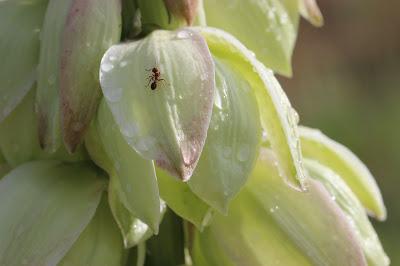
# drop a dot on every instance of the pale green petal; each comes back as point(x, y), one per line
point(310, 11)
point(134, 177)
point(353, 210)
point(133, 230)
point(45, 206)
point(168, 124)
point(232, 143)
point(91, 27)
point(183, 201)
point(278, 118)
point(340, 159)
point(75, 35)
point(267, 27)
point(167, 248)
point(19, 140)
point(47, 95)
point(271, 224)
point(100, 244)
point(20, 26)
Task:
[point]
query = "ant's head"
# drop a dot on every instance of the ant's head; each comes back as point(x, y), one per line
point(154, 70)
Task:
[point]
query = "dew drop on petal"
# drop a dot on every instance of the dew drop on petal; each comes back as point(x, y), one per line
point(113, 94)
point(105, 67)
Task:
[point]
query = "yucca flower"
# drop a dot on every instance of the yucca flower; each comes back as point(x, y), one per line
point(153, 132)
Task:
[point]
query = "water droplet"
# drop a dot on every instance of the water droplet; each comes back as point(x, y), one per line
point(145, 143)
point(244, 153)
point(264, 136)
point(105, 67)
point(113, 94)
point(123, 64)
point(333, 198)
point(184, 34)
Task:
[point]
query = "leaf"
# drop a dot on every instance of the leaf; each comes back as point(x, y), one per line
point(310, 11)
point(132, 177)
point(167, 248)
point(183, 201)
point(270, 224)
point(267, 27)
point(91, 27)
point(233, 140)
point(45, 205)
point(278, 118)
point(19, 140)
point(19, 50)
point(168, 124)
point(99, 244)
point(352, 208)
point(340, 159)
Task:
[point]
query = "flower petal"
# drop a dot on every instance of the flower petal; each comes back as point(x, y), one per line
point(75, 35)
point(132, 177)
point(267, 27)
point(45, 205)
point(233, 140)
point(99, 244)
point(133, 230)
point(19, 140)
point(353, 210)
point(278, 118)
point(91, 27)
point(269, 223)
point(340, 159)
point(168, 123)
point(183, 201)
point(310, 11)
point(19, 50)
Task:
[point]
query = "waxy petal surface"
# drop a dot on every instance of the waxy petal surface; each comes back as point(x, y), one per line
point(167, 123)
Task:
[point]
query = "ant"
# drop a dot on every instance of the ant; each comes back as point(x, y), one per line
point(154, 78)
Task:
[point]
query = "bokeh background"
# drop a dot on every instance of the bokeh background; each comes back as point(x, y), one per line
point(347, 83)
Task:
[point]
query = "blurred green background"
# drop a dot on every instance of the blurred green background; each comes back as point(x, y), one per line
point(347, 83)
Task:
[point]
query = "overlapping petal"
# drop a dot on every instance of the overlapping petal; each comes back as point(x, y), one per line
point(161, 91)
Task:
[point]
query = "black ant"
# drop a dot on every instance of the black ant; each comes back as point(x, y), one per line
point(154, 78)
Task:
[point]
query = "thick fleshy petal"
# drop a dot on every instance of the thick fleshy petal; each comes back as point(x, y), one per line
point(278, 118)
point(132, 177)
point(167, 248)
point(75, 35)
point(19, 50)
point(183, 201)
point(45, 205)
point(161, 91)
point(353, 210)
point(186, 9)
point(133, 230)
point(19, 140)
point(232, 143)
point(340, 159)
point(310, 11)
point(100, 244)
point(91, 27)
point(267, 27)
point(269, 223)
